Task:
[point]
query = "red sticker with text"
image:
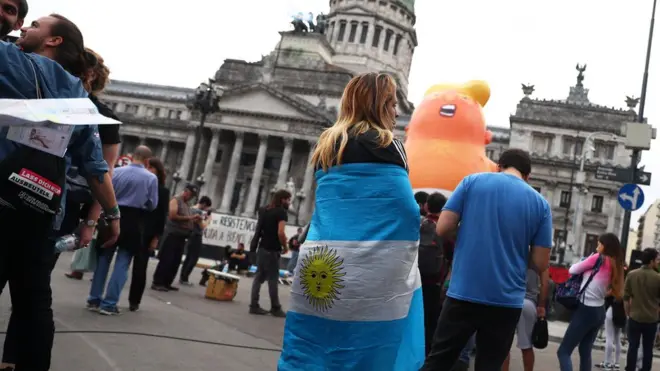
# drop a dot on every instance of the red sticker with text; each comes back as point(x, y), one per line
point(41, 181)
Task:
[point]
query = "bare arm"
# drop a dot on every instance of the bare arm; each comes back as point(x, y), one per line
point(545, 280)
point(540, 259)
point(447, 223)
point(110, 153)
point(103, 191)
point(281, 233)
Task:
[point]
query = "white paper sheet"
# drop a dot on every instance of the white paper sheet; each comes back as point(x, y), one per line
point(23, 112)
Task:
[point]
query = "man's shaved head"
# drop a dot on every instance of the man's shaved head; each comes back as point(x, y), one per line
point(142, 154)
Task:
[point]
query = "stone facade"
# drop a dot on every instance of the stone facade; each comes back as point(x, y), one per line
point(648, 229)
point(553, 132)
point(271, 112)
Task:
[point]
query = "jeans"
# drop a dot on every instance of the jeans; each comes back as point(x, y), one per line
point(193, 248)
point(647, 332)
point(293, 261)
point(459, 320)
point(117, 279)
point(581, 333)
point(268, 269)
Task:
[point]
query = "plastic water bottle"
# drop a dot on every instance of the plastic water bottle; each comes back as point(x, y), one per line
point(67, 243)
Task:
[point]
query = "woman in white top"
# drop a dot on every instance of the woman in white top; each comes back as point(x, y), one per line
point(590, 314)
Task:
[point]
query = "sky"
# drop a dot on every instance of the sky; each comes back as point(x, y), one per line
point(506, 43)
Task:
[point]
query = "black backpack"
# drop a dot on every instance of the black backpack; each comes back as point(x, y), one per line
point(430, 249)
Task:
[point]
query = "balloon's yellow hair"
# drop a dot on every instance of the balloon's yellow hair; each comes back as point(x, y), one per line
point(476, 89)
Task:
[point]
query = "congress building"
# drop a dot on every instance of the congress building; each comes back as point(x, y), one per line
point(271, 112)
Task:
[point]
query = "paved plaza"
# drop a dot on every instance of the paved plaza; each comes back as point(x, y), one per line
point(250, 342)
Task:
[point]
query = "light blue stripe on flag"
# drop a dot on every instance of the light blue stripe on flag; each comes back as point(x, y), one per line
point(324, 345)
point(356, 301)
point(364, 202)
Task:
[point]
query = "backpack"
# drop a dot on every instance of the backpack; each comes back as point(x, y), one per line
point(430, 249)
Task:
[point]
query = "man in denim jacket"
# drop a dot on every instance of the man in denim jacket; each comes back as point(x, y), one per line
point(26, 255)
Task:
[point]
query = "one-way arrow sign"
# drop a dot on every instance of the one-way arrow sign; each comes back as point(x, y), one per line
point(622, 175)
point(643, 178)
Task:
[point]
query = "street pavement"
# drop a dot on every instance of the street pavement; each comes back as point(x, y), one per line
point(220, 335)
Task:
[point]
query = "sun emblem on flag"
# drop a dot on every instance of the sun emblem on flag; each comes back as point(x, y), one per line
point(321, 273)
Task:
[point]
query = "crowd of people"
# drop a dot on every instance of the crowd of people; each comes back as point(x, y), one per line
point(392, 279)
point(481, 263)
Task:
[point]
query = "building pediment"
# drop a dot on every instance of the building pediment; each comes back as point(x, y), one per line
point(262, 99)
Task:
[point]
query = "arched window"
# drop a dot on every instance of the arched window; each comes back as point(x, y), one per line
point(388, 38)
point(396, 44)
point(365, 31)
point(377, 33)
point(342, 30)
point(353, 32)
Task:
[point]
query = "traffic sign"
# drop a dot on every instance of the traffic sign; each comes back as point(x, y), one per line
point(617, 174)
point(631, 197)
point(642, 177)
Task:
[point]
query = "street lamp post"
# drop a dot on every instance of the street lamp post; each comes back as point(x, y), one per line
point(177, 178)
point(582, 190)
point(200, 181)
point(206, 101)
point(640, 118)
point(300, 197)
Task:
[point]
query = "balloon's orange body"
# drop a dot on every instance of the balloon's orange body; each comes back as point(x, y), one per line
point(447, 137)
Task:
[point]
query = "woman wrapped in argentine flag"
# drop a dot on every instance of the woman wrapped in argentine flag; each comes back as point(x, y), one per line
point(356, 301)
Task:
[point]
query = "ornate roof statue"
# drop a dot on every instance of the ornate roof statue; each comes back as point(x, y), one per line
point(580, 76)
point(307, 24)
point(527, 90)
point(632, 102)
point(578, 93)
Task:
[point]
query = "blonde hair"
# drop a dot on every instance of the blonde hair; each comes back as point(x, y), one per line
point(97, 77)
point(365, 105)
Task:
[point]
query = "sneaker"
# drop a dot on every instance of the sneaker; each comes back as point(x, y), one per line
point(616, 366)
point(159, 288)
point(258, 310)
point(185, 283)
point(278, 313)
point(134, 307)
point(93, 306)
point(110, 311)
point(172, 288)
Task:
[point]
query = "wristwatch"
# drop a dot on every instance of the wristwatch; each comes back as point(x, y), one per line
point(91, 223)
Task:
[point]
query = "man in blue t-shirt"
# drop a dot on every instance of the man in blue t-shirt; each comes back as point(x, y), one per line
point(500, 217)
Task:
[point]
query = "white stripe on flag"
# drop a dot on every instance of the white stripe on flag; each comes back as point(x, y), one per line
point(355, 280)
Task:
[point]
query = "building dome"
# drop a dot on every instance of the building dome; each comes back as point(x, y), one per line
point(408, 4)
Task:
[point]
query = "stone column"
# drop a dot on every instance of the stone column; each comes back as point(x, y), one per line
point(143, 140)
point(286, 162)
point(557, 146)
point(210, 160)
point(612, 213)
point(234, 164)
point(187, 153)
point(164, 150)
point(250, 205)
point(308, 182)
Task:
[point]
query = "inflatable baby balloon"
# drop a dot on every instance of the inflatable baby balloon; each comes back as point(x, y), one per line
point(447, 136)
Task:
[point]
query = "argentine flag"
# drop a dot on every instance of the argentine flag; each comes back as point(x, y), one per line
point(356, 299)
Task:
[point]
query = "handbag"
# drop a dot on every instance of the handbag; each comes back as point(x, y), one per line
point(540, 334)
point(32, 181)
point(570, 292)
